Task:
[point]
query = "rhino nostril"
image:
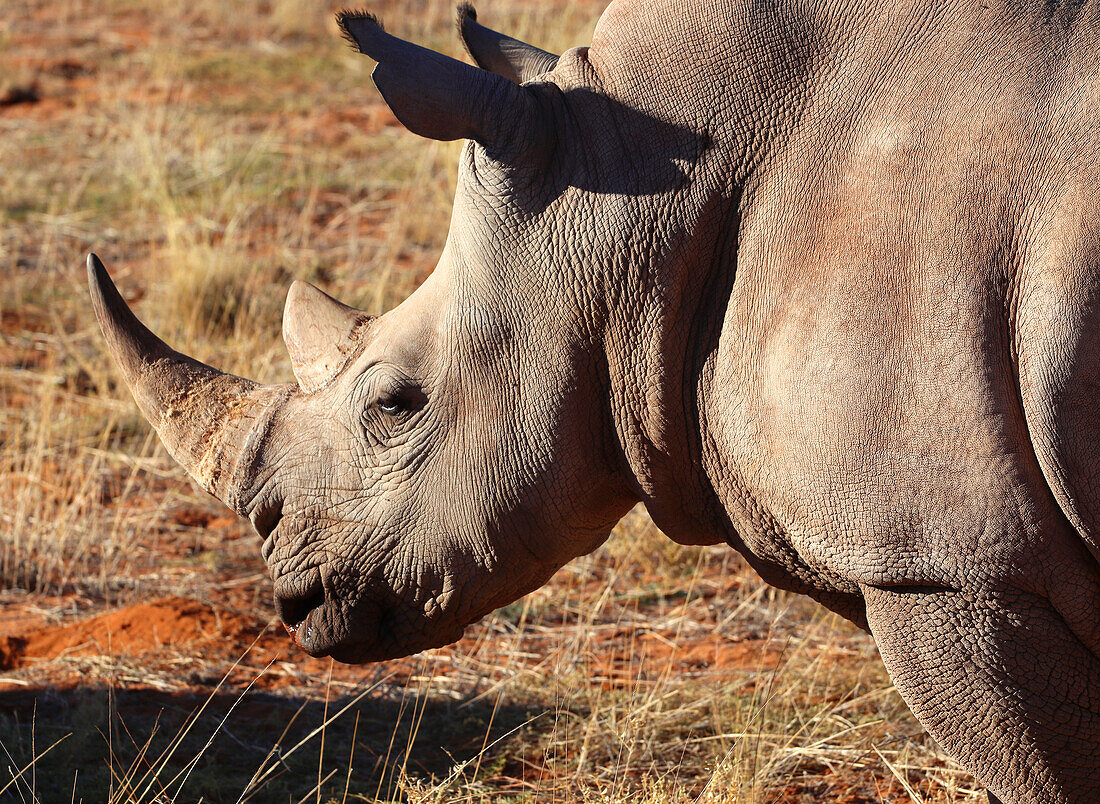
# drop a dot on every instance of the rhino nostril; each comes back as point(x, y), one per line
point(294, 608)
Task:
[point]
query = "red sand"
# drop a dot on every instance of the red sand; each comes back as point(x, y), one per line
point(130, 631)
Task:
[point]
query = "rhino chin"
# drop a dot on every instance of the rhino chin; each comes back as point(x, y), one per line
point(392, 644)
point(371, 652)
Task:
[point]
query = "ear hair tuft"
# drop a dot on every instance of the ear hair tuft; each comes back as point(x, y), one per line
point(466, 11)
point(443, 98)
point(348, 15)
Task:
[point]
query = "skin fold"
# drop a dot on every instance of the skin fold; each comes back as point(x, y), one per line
point(819, 280)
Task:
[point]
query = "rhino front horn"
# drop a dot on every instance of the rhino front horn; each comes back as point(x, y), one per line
point(213, 424)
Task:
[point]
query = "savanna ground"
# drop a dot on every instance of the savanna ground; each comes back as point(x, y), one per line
point(210, 153)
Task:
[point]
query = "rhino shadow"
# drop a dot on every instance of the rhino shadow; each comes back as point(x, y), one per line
point(394, 734)
point(651, 156)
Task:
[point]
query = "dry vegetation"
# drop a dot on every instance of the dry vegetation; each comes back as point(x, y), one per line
point(211, 152)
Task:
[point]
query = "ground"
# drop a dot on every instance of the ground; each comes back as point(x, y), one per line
point(210, 154)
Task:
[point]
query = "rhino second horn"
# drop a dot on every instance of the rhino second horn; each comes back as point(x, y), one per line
point(321, 334)
point(213, 424)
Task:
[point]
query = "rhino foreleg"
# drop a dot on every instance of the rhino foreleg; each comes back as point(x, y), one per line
point(1001, 682)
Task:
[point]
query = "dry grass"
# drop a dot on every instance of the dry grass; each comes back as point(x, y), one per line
point(210, 153)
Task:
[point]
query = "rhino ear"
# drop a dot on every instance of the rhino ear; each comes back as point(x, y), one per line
point(515, 60)
point(320, 334)
point(438, 97)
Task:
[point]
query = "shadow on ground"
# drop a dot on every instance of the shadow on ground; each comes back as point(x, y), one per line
point(146, 745)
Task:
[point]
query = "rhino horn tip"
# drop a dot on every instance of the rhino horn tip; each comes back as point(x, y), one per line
point(130, 342)
point(300, 289)
point(99, 281)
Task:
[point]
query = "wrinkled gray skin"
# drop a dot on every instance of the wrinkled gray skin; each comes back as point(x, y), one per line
point(819, 280)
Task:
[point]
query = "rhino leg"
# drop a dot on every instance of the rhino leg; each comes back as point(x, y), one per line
point(992, 798)
point(1001, 682)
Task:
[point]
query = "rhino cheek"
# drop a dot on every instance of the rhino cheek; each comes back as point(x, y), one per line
point(421, 596)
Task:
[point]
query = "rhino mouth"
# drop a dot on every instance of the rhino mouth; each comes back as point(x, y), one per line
point(323, 618)
point(294, 611)
point(319, 638)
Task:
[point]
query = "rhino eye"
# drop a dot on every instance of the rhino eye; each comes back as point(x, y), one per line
point(405, 399)
point(391, 406)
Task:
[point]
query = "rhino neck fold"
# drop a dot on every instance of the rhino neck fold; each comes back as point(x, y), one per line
point(657, 344)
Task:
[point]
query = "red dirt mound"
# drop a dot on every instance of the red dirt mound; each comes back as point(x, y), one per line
point(130, 631)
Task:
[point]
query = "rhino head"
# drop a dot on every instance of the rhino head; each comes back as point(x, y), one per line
point(445, 458)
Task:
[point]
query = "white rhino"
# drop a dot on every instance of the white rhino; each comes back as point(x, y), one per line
point(819, 280)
